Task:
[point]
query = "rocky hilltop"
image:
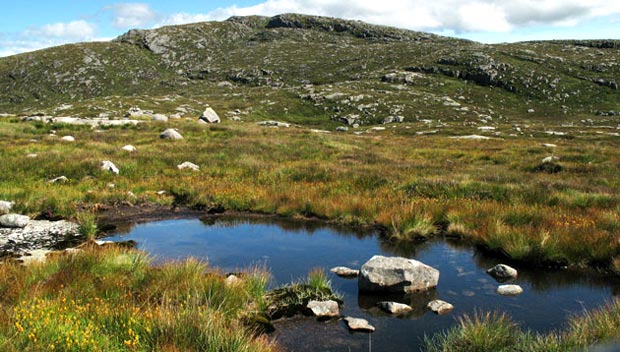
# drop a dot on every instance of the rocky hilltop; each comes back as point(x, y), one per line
point(325, 68)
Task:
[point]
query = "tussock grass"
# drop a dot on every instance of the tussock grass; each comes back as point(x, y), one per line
point(113, 300)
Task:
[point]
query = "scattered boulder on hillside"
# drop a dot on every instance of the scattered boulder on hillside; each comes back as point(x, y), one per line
point(68, 139)
point(188, 165)
point(396, 274)
point(36, 234)
point(440, 307)
point(5, 207)
point(343, 271)
point(272, 123)
point(171, 133)
point(14, 220)
point(59, 179)
point(160, 118)
point(324, 309)
point(393, 119)
point(358, 324)
point(137, 112)
point(509, 290)
point(210, 116)
point(129, 148)
point(107, 165)
point(342, 129)
point(403, 77)
point(394, 307)
point(550, 159)
point(350, 120)
point(549, 145)
point(503, 272)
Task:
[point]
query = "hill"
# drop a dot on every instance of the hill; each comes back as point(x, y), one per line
point(315, 70)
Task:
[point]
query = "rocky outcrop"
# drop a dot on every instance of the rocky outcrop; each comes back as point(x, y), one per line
point(396, 274)
point(14, 220)
point(37, 234)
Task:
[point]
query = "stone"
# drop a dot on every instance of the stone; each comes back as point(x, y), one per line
point(503, 272)
point(232, 280)
point(472, 136)
point(14, 220)
point(440, 307)
point(5, 207)
point(37, 234)
point(342, 129)
point(509, 290)
point(343, 271)
point(130, 148)
point(531, 111)
point(68, 139)
point(210, 116)
point(160, 118)
point(272, 123)
point(188, 165)
point(396, 274)
point(171, 133)
point(358, 324)
point(549, 145)
point(394, 307)
point(550, 159)
point(107, 165)
point(324, 309)
point(59, 179)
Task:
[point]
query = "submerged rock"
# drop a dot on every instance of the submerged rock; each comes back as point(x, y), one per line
point(503, 272)
point(509, 290)
point(394, 307)
point(343, 271)
point(324, 309)
point(358, 324)
point(440, 307)
point(396, 274)
point(14, 220)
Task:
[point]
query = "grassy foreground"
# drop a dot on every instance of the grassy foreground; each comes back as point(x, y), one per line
point(113, 300)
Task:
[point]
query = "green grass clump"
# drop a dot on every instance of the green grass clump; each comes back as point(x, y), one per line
point(112, 299)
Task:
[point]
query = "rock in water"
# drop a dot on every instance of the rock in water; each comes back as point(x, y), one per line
point(396, 274)
point(5, 207)
point(440, 307)
point(503, 272)
point(14, 220)
point(394, 307)
point(359, 324)
point(210, 116)
point(509, 290)
point(343, 271)
point(324, 309)
point(188, 165)
point(107, 165)
point(170, 134)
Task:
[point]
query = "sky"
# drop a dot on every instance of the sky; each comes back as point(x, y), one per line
point(36, 24)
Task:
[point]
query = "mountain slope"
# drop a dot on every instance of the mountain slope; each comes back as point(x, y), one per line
point(331, 68)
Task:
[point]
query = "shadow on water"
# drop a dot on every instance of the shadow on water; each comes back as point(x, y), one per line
point(290, 248)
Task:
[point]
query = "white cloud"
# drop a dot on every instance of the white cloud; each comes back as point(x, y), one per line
point(131, 15)
point(71, 31)
point(458, 16)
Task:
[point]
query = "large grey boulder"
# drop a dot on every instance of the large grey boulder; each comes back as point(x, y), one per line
point(324, 309)
point(5, 207)
point(503, 272)
point(14, 220)
point(396, 274)
point(170, 134)
point(210, 116)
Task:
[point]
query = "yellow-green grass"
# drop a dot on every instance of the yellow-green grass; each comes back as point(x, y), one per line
point(486, 192)
point(113, 300)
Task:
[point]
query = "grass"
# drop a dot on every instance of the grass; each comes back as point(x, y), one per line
point(497, 332)
point(113, 300)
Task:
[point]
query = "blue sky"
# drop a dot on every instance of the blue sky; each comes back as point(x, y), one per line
point(34, 24)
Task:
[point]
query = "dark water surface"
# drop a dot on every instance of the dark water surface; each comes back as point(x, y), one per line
point(290, 249)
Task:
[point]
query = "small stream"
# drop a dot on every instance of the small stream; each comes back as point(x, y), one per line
point(290, 249)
